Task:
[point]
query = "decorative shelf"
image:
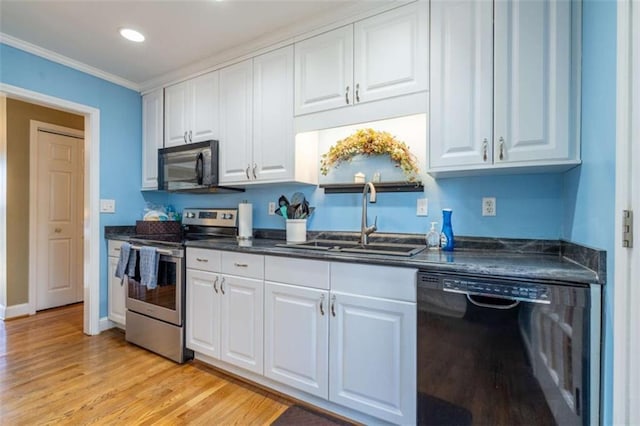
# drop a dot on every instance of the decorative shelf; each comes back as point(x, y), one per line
point(352, 188)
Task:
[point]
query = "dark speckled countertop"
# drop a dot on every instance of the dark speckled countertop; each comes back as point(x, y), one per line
point(546, 260)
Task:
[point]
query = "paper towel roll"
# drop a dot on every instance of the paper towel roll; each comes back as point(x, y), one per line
point(245, 220)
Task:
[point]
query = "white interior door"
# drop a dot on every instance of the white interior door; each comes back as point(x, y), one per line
point(59, 198)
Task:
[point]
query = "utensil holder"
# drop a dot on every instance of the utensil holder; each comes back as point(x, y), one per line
point(296, 230)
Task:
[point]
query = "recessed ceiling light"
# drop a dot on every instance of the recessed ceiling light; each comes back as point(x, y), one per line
point(132, 35)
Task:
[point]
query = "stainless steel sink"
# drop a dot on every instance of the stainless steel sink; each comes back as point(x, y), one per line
point(390, 249)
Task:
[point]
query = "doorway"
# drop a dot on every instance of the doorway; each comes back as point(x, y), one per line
point(55, 215)
point(91, 209)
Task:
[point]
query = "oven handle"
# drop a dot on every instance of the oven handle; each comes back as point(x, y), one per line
point(160, 251)
point(489, 305)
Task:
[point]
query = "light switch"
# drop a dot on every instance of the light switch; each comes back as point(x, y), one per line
point(107, 206)
point(422, 207)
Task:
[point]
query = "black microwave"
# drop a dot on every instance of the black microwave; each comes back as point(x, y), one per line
point(190, 168)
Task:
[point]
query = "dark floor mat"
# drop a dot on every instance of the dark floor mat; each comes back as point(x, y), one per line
point(298, 415)
point(434, 411)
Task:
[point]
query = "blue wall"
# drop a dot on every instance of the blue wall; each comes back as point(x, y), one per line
point(120, 130)
point(528, 206)
point(590, 190)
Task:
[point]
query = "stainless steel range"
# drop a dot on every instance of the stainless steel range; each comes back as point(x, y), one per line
point(156, 314)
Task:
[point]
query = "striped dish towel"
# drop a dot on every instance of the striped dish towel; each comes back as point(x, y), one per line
point(149, 260)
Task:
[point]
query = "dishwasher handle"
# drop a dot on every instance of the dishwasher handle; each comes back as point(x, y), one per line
point(492, 305)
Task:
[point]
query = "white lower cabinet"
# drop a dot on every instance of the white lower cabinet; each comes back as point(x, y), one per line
point(373, 356)
point(342, 332)
point(203, 312)
point(242, 322)
point(224, 317)
point(117, 290)
point(297, 337)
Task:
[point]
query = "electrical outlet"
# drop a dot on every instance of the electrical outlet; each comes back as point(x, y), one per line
point(107, 206)
point(489, 207)
point(272, 208)
point(422, 207)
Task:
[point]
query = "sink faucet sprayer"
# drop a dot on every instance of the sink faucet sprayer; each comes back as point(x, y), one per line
point(365, 230)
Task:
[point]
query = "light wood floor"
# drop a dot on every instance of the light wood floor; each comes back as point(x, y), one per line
point(51, 373)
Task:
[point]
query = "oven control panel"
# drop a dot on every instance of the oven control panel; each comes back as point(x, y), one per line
point(227, 218)
point(517, 291)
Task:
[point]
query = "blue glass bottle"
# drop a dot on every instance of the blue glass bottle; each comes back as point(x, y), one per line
point(446, 235)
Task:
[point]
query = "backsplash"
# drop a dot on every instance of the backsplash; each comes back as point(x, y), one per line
point(528, 206)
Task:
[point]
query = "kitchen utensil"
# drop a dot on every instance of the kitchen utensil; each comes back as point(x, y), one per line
point(297, 198)
point(283, 211)
point(282, 201)
point(291, 212)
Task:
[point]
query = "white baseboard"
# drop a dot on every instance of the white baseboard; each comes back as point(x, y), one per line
point(105, 324)
point(7, 312)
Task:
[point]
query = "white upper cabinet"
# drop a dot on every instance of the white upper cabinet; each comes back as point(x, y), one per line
point(532, 81)
point(236, 109)
point(375, 58)
point(152, 113)
point(257, 143)
point(191, 110)
point(324, 71)
point(390, 54)
point(501, 93)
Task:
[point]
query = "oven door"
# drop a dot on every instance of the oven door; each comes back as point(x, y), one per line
point(164, 302)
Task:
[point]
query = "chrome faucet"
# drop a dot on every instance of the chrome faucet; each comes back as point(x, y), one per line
point(365, 230)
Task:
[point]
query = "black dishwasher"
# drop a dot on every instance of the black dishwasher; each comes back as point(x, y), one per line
point(507, 352)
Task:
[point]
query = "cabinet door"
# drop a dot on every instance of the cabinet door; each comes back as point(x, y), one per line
point(273, 142)
point(461, 88)
point(117, 294)
point(152, 120)
point(236, 109)
point(242, 322)
point(532, 81)
point(203, 312)
point(176, 115)
point(203, 94)
point(373, 356)
point(297, 337)
point(324, 71)
point(391, 53)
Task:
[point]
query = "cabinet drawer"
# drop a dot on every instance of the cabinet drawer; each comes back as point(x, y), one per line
point(302, 272)
point(114, 247)
point(243, 264)
point(375, 281)
point(203, 259)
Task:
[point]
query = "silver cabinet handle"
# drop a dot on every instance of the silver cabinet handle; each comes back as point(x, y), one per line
point(215, 285)
point(57, 230)
point(222, 286)
point(358, 92)
point(199, 259)
point(501, 145)
point(190, 140)
point(322, 305)
point(255, 166)
point(485, 145)
point(117, 249)
point(247, 172)
point(333, 305)
point(346, 95)
point(185, 137)
point(240, 265)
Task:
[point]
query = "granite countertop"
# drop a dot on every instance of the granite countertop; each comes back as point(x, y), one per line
point(545, 260)
point(531, 266)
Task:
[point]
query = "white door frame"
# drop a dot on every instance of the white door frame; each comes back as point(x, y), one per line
point(626, 334)
point(34, 127)
point(91, 217)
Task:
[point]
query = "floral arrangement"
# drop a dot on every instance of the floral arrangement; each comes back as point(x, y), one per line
point(370, 142)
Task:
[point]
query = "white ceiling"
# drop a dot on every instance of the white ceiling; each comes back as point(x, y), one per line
point(178, 33)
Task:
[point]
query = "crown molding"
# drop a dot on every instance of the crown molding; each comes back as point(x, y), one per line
point(66, 61)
